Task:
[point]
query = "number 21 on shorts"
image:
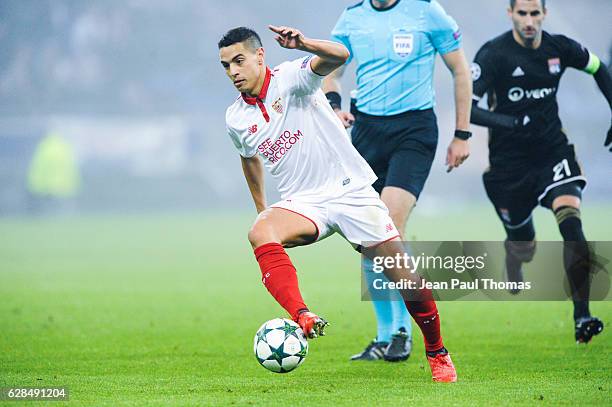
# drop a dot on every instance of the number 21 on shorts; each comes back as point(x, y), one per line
point(561, 170)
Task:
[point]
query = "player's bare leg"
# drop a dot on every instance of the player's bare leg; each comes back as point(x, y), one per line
point(273, 230)
point(282, 226)
point(391, 344)
point(400, 203)
point(422, 308)
point(577, 261)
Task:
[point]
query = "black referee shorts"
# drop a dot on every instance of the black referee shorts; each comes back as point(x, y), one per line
point(400, 148)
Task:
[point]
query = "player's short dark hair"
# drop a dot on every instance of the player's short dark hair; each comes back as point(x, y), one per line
point(241, 34)
point(513, 3)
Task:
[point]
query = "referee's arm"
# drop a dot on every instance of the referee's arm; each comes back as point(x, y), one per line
point(459, 150)
point(457, 64)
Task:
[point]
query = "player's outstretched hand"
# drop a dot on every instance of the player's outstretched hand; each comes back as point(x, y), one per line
point(288, 37)
point(346, 118)
point(608, 142)
point(458, 151)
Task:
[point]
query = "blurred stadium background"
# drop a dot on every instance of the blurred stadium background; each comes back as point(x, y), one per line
point(134, 97)
point(145, 291)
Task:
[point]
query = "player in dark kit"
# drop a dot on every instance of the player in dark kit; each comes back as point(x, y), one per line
point(531, 159)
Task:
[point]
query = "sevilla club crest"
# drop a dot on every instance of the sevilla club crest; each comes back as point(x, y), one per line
point(277, 106)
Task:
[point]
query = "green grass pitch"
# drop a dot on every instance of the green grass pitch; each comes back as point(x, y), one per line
point(161, 310)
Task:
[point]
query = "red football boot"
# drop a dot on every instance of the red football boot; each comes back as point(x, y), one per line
point(311, 324)
point(442, 368)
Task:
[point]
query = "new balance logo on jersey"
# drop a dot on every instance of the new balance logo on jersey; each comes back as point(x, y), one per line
point(518, 72)
point(252, 129)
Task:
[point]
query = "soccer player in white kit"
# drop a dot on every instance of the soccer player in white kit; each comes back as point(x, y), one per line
point(283, 122)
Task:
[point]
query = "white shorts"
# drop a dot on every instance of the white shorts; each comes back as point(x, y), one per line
point(359, 216)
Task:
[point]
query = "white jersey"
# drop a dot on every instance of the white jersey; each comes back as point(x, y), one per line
point(297, 134)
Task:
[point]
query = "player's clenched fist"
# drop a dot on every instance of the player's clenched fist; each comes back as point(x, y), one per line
point(288, 37)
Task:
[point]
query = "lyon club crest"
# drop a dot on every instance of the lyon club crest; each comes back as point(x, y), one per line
point(505, 214)
point(403, 43)
point(554, 66)
point(277, 106)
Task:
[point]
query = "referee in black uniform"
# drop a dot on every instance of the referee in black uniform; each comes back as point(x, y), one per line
point(531, 160)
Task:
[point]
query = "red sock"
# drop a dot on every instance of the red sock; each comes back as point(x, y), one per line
point(280, 277)
point(425, 314)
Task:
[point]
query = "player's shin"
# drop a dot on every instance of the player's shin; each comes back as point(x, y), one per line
point(425, 314)
point(383, 308)
point(576, 258)
point(520, 247)
point(421, 306)
point(280, 278)
point(418, 299)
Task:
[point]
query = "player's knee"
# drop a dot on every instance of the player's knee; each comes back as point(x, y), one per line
point(399, 218)
point(523, 233)
point(260, 234)
point(566, 200)
point(400, 203)
point(522, 250)
point(400, 223)
point(570, 224)
point(564, 195)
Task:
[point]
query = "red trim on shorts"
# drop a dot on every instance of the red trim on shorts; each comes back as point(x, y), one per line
point(384, 241)
point(303, 216)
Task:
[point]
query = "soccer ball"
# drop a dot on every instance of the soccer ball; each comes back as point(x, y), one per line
point(280, 345)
